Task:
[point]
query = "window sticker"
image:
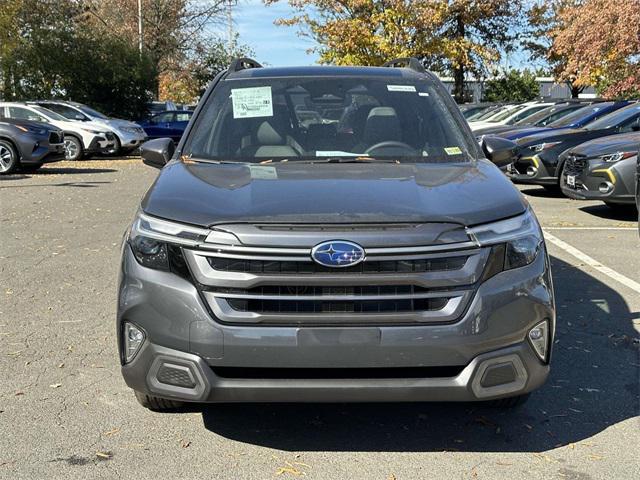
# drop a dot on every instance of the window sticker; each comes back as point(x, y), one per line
point(252, 102)
point(453, 150)
point(423, 94)
point(262, 172)
point(401, 88)
point(336, 153)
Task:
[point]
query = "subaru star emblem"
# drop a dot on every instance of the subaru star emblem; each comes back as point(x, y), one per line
point(337, 253)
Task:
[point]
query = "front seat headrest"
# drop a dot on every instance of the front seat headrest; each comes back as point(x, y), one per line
point(382, 125)
point(267, 135)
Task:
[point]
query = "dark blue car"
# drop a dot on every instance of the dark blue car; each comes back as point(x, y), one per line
point(581, 117)
point(168, 124)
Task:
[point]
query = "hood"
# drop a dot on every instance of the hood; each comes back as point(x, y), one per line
point(208, 194)
point(115, 122)
point(496, 130)
point(610, 144)
point(74, 125)
point(28, 123)
point(547, 135)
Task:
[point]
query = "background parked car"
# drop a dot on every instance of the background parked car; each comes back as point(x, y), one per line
point(80, 139)
point(27, 145)
point(511, 115)
point(577, 119)
point(170, 124)
point(128, 135)
point(156, 107)
point(538, 154)
point(602, 169)
point(541, 118)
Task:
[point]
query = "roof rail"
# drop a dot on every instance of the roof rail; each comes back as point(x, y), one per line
point(406, 62)
point(243, 63)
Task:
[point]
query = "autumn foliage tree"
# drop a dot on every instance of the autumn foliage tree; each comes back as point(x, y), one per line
point(600, 42)
point(453, 36)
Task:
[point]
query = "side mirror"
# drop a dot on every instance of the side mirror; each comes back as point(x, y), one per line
point(156, 153)
point(499, 150)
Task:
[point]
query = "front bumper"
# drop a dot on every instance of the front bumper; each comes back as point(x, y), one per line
point(101, 144)
point(531, 170)
point(181, 332)
point(130, 141)
point(616, 179)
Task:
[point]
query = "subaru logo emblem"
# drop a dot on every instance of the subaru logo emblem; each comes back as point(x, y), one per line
point(337, 253)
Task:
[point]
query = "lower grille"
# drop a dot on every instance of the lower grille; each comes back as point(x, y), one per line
point(337, 373)
point(575, 165)
point(350, 306)
point(56, 137)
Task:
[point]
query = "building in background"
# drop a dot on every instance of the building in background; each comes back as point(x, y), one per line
point(549, 88)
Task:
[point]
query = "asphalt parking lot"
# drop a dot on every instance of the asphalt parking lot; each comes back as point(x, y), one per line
point(65, 411)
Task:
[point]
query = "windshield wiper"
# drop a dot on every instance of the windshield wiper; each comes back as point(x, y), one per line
point(347, 160)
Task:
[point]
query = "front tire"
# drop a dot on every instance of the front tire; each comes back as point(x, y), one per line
point(117, 148)
point(72, 148)
point(157, 404)
point(8, 157)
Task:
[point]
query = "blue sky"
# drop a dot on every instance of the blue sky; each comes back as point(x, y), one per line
point(273, 45)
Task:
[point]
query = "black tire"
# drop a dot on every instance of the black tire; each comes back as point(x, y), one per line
point(551, 188)
point(157, 404)
point(72, 148)
point(509, 402)
point(9, 159)
point(117, 148)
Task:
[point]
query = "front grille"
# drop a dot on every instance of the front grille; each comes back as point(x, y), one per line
point(337, 373)
point(399, 285)
point(575, 164)
point(56, 137)
point(272, 267)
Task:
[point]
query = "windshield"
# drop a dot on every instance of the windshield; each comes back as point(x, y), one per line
point(488, 114)
point(616, 118)
point(507, 113)
point(580, 114)
point(92, 113)
point(50, 114)
point(257, 120)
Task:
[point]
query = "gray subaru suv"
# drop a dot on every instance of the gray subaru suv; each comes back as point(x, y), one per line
point(332, 234)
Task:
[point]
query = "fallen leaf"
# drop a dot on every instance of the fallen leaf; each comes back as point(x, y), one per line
point(105, 455)
point(56, 385)
point(61, 365)
point(185, 443)
point(112, 432)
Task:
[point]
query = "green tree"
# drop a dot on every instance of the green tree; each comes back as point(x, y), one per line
point(453, 36)
point(514, 86)
point(53, 55)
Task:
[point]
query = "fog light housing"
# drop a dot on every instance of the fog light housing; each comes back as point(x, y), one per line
point(605, 187)
point(532, 171)
point(132, 341)
point(539, 339)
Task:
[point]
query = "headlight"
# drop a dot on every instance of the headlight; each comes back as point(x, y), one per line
point(616, 157)
point(131, 129)
point(156, 243)
point(517, 239)
point(39, 131)
point(543, 146)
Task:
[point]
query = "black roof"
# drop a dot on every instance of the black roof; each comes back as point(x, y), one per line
point(327, 71)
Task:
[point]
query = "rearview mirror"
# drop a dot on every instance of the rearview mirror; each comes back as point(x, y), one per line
point(499, 150)
point(156, 153)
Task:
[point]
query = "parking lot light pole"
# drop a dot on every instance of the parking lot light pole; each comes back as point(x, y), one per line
point(140, 26)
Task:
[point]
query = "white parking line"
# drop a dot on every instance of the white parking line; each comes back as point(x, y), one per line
point(631, 229)
point(592, 262)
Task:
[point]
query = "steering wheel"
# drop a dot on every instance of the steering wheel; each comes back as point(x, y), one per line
point(389, 144)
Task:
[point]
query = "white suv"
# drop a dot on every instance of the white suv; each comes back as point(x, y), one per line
point(129, 135)
point(80, 139)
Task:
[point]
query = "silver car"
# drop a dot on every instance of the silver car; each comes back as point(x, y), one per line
point(376, 255)
point(128, 135)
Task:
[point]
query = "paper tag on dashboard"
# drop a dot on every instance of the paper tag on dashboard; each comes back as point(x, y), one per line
point(252, 102)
